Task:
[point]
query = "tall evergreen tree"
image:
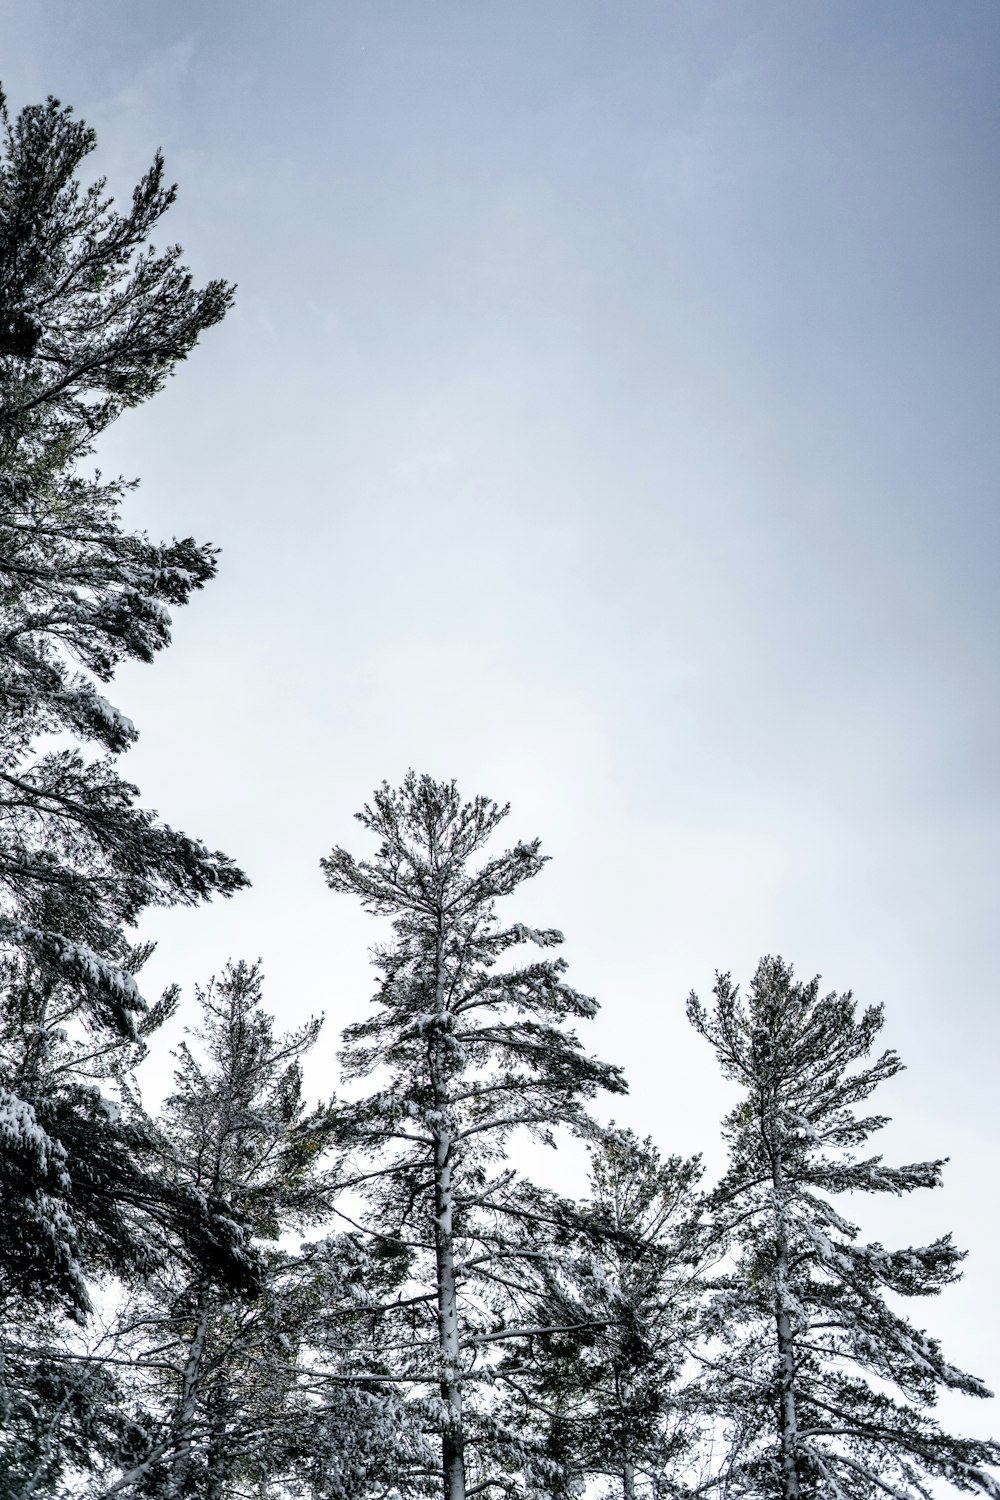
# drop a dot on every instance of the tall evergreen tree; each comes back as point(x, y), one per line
point(92, 321)
point(221, 1408)
point(825, 1387)
point(472, 1050)
point(87, 1195)
point(366, 1438)
point(614, 1402)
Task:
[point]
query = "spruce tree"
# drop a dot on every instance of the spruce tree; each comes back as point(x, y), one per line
point(472, 1049)
point(826, 1389)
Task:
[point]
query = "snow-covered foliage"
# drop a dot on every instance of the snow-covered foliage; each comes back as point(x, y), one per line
point(474, 1049)
point(91, 323)
point(448, 1325)
point(215, 1386)
point(247, 1390)
point(824, 1387)
point(613, 1403)
point(87, 1195)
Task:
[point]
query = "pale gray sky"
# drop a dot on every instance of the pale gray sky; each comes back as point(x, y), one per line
point(607, 420)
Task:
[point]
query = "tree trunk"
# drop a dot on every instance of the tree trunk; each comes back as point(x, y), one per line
point(628, 1481)
point(453, 1458)
point(449, 1343)
point(787, 1414)
point(184, 1420)
point(218, 1461)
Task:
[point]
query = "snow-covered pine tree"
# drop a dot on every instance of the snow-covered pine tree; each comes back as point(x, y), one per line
point(365, 1439)
point(614, 1403)
point(472, 1051)
point(92, 321)
point(84, 1197)
point(825, 1388)
point(220, 1408)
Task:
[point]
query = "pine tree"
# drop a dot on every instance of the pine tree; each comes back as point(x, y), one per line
point(630, 1422)
point(221, 1407)
point(473, 1050)
point(92, 321)
point(365, 1439)
point(85, 1197)
point(825, 1387)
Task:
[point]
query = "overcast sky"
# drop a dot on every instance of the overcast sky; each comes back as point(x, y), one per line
point(608, 420)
